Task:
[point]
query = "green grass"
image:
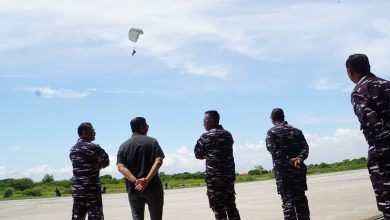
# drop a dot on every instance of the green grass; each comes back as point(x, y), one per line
point(345, 165)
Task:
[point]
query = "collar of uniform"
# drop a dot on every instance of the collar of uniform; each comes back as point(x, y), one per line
point(135, 134)
point(281, 122)
point(366, 76)
point(361, 80)
point(218, 127)
point(81, 140)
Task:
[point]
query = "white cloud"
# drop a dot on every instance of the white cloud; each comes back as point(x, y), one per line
point(125, 91)
point(36, 173)
point(11, 76)
point(48, 92)
point(111, 169)
point(192, 67)
point(2, 171)
point(182, 160)
point(310, 118)
point(249, 146)
point(15, 148)
point(108, 24)
point(325, 84)
point(249, 155)
point(176, 31)
point(343, 144)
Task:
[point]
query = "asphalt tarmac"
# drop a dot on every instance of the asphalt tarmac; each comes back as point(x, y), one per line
point(335, 196)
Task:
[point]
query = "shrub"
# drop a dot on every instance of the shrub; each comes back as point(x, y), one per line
point(32, 192)
point(67, 191)
point(254, 172)
point(45, 188)
point(47, 179)
point(324, 165)
point(187, 175)
point(22, 184)
point(8, 192)
point(4, 183)
point(64, 183)
point(259, 170)
point(108, 179)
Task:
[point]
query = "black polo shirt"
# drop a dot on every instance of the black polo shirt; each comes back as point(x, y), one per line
point(138, 154)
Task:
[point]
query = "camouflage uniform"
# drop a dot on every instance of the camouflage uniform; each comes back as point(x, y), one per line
point(87, 160)
point(371, 102)
point(216, 146)
point(285, 142)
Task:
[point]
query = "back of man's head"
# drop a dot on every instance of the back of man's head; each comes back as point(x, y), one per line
point(359, 63)
point(277, 114)
point(83, 127)
point(137, 123)
point(214, 115)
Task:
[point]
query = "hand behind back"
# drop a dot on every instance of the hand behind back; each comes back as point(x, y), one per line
point(141, 184)
point(296, 162)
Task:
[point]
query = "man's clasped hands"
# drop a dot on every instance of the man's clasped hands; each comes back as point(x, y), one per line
point(141, 184)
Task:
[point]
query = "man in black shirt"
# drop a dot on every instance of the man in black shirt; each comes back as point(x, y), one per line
point(87, 161)
point(139, 159)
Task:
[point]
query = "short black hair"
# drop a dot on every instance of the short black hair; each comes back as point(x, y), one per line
point(277, 114)
point(214, 115)
point(137, 123)
point(83, 127)
point(359, 63)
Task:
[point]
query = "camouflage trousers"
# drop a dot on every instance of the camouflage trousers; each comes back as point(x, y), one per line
point(90, 203)
point(222, 200)
point(379, 170)
point(295, 206)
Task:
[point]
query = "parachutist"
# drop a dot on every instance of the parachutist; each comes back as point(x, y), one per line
point(133, 36)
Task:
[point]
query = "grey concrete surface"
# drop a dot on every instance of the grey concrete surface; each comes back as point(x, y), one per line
point(336, 196)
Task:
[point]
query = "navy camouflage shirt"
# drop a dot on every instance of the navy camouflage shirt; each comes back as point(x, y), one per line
point(87, 161)
point(285, 142)
point(371, 102)
point(216, 146)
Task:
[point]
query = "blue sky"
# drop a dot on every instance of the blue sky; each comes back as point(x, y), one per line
point(242, 58)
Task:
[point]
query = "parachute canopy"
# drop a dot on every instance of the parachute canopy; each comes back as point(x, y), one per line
point(134, 34)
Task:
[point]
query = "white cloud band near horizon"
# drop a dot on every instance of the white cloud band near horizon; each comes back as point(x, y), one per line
point(342, 144)
point(48, 92)
point(53, 93)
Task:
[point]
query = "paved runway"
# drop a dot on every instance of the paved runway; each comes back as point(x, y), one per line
point(336, 196)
